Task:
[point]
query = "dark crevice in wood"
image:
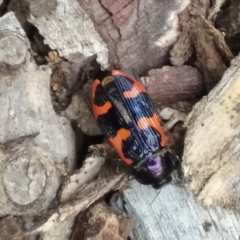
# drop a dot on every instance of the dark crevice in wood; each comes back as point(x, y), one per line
point(36, 39)
point(22, 11)
point(227, 22)
point(82, 143)
point(4, 7)
point(106, 9)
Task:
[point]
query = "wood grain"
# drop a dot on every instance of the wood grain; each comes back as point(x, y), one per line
point(175, 214)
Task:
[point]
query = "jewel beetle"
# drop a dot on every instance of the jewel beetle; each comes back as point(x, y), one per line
point(134, 131)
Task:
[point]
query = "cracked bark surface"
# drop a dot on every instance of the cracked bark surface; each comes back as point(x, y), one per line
point(138, 33)
point(38, 185)
point(29, 150)
point(64, 26)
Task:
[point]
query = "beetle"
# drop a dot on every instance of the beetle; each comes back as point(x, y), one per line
point(135, 132)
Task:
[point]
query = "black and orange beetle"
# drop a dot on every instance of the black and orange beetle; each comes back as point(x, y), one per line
point(139, 140)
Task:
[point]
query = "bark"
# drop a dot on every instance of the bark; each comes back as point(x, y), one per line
point(36, 141)
point(138, 33)
point(125, 33)
point(31, 133)
point(64, 26)
point(201, 38)
point(81, 201)
point(172, 84)
point(211, 155)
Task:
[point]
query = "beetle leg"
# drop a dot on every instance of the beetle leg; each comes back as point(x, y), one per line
point(103, 149)
point(160, 185)
point(179, 177)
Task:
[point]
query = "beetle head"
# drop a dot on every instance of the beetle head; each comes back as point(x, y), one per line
point(157, 169)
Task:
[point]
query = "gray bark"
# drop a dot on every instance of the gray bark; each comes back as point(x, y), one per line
point(31, 133)
point(175, 214)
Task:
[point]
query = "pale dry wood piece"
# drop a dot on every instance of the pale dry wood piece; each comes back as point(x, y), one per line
point(211, 154)
point(29, 181)
point(175, 214)
point(33, 137)
point(62, 231)
point(30, 177)
point(172, 116)
point(71, 187)
point(25, 95)
point(86, 174)
point(182, 50)
point(90, 194)
point(65, 27)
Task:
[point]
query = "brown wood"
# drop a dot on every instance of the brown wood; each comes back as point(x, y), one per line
point(172, 84)
point(138, 33)
point(199, 36)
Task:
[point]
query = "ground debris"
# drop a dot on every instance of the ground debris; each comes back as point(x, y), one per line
point(100, 223)
point(200, 37)
point(10, 227)
point(227, 21)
